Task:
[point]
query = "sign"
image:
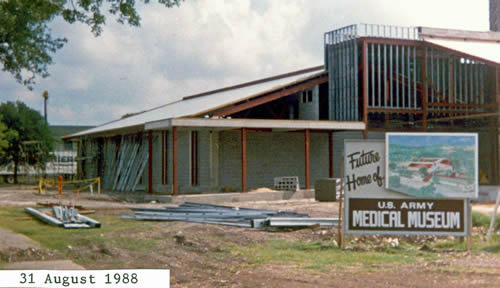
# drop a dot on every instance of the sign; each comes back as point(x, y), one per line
point(411, 216)
point(364, 171)
point(370, 208)
point(432, 165)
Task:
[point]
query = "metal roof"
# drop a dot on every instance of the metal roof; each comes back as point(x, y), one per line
point(486, 50)
point(205, 102)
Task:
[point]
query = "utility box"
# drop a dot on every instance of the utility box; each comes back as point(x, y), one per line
point(327, 189)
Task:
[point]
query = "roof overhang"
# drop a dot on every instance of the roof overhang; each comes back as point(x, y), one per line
point(284, 125)
point(488, 52)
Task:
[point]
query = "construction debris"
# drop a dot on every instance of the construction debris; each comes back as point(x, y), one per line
point(231, 216)
point(63, 217)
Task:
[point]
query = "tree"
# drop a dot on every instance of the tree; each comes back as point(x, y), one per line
point(423, 172)
point(26, 41)
point(25, 125)
point(6, 136)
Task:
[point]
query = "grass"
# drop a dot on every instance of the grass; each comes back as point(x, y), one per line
point(478, 245)
point(479, 219)
point(320, 255)
point(57, 238)
point(314, 256)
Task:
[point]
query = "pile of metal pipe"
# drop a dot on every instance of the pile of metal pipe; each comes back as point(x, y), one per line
point(228, 215)
point(68, 218)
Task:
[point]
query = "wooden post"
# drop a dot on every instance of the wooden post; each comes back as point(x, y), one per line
point(59, 187)
point(493, 217)
point(243, 159)
point(365, 89)
point(150, 162)
point(306, 157)
point(340, 232)
point(424, 89)
point(469, 239)
point(330, 154)
point(174, 161)
point(99, 185)
point(497, 89)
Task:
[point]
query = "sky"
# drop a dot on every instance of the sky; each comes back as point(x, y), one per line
point(207, 44)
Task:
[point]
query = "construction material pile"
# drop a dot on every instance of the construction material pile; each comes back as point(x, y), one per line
point(228, 215)
point(63, 217)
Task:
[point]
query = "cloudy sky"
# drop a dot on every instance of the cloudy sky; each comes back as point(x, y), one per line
point(207, 44)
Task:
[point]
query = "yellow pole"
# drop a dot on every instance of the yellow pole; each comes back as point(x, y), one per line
point(40, 186)
point(99, 185)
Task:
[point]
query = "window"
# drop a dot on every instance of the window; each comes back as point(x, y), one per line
point(307, 96)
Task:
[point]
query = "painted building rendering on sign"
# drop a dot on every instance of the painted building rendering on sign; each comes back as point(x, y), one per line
point(432, 165)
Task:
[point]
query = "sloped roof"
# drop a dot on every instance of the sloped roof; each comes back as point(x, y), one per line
point(483, 45)
point(488, 51)
point(204, 102)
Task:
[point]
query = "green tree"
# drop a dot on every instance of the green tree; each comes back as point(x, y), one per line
point(25, 125)
point(423, 172)
point(26, 41)
point(6, 136)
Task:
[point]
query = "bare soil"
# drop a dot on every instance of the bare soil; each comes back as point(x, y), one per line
point(201, 255)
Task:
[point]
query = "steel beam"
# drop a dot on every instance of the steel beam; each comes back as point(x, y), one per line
point(243, 160)
point(174, 161)
point(150, 162)
point(306, 157)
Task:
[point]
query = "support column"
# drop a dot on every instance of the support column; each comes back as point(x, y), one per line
point(150, 162)
point(365, 89)
point(174, 161)
point(496, 122)
point(330, 154)
point(306, 157)
point(424, 89)
point(243, 159)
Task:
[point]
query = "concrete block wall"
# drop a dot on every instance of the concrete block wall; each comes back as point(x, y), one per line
point(183, 163)
point(270, 155)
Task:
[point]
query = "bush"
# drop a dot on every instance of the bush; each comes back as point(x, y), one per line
point(480, 219)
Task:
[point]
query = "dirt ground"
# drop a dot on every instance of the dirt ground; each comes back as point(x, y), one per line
point(204, 255)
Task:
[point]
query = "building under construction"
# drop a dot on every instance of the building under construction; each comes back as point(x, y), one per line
point(375, 79)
